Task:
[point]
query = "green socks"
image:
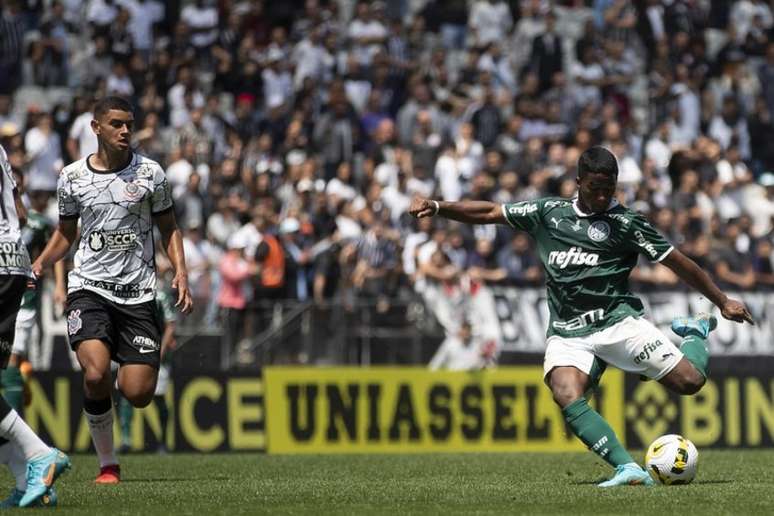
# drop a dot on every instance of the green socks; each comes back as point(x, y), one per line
point(13, 387)
point(125, 413)
point(595, 432)
point(695, 350)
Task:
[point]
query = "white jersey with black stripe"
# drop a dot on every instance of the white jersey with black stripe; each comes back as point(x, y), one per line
point(115, 256)
point(14, 259)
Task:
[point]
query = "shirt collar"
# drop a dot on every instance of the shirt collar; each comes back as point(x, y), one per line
point(580, 213)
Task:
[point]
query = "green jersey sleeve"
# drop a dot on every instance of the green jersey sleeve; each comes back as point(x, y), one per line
point(523, 215)
point(645, 239)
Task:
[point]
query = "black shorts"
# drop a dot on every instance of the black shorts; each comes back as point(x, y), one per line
point(132, 332)
point(12, 288)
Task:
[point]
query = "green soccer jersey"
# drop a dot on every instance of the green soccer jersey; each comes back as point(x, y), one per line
point(587, 260)
point(35, 235)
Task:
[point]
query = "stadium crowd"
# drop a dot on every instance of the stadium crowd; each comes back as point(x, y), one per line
point(295, 133)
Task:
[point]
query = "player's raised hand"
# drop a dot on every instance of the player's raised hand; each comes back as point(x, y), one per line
point(420, 207)
point(736, 311)
point(184, 299)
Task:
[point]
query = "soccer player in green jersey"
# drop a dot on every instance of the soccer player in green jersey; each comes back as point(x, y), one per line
point(589, 246)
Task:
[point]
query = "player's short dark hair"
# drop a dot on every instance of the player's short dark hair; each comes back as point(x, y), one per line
point(105, 104)
point(597, 160)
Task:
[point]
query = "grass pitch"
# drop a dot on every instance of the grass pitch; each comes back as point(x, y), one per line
point(729, 482)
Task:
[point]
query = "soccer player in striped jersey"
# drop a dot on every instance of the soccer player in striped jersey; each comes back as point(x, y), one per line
point(119, 196)
point(43, 464)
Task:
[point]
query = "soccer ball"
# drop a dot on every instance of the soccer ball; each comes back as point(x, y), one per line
point(672, 459)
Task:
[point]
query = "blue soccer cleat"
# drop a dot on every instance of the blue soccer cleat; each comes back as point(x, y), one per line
point(41, 475)
point(13, 499)
point(700, 325)
point(49, 499)
point(629, 475)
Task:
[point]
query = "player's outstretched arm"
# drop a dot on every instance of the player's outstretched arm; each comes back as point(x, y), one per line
point(172, 240)
point(692, 274)
point(470, 212)
point(56, 249)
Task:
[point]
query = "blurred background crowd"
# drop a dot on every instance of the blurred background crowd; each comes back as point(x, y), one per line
point(295, 132)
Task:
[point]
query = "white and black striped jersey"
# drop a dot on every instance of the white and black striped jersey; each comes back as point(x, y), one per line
point(14, 259)
point(115, 256)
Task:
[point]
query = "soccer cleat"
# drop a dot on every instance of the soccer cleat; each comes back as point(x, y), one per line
point(629, 475)
point(13, 499)
point(49, 499)
point(41, 475)
point(110, 474)
point(700, 325)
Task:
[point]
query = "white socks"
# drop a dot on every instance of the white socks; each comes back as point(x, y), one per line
point(14, 429)
point(101, 428)
point(10, 454)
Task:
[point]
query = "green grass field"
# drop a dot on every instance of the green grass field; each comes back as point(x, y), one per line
point(729, 482)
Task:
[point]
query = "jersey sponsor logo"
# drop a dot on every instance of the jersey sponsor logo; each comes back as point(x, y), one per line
point(599, 231)
point(647, 349)
point(643, 242)
point(576, 227)
point(583, 320)
point(554, 204)
point(114, 240)
point(620, 218)
point(574, 256)
point(145, 344)
point(13, 255)
point(523, 209)
point(71, 176)
point(129, 290)
point(74, 322)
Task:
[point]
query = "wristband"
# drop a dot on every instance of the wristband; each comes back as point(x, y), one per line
point(437, 208)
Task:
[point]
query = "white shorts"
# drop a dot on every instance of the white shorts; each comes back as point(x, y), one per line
point(162, 384)
point(26, 331)
point(634, 345)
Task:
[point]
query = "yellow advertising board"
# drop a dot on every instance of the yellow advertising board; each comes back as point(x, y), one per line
point(412, 409)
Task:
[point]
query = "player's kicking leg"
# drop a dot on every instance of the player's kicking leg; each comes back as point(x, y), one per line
point(690, 374)
point(695, 332)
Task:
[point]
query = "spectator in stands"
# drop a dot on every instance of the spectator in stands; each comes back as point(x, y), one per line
point(519, 262)
point(235, 271)
point(44, 153)
point(11, 46)
point(730, 265)
point(463, 351)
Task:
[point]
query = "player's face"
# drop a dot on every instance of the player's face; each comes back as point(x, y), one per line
point(114, 129)
point(596, 191)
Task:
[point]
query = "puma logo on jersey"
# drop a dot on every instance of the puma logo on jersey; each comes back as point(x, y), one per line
point(556, 222)
point(574, 256)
